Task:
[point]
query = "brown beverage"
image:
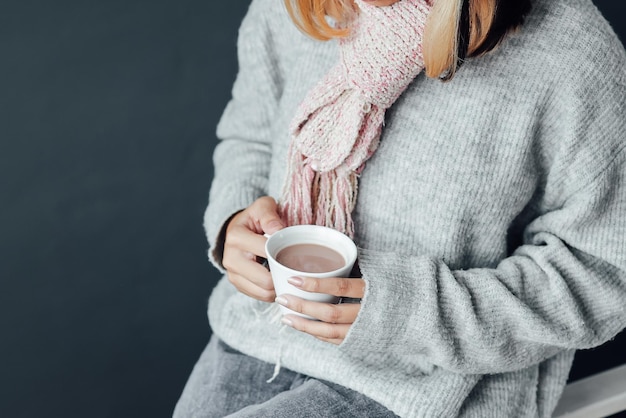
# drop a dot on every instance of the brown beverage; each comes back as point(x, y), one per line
point(310, 258)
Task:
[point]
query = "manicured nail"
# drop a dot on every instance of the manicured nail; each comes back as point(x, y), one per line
point(282, 301)
point(296, 281)
point(275, 225)
point(286, 321)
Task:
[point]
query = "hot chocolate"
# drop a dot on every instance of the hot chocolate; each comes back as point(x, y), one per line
point(310, 258)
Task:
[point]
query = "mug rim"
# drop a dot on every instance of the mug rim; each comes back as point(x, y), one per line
point(348, 249)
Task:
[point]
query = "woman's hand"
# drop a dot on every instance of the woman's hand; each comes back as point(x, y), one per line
point(335, 320)
point(245, 242)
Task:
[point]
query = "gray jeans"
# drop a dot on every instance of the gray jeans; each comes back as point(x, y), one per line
point(227, 383)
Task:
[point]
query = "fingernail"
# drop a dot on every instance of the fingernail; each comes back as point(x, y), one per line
point(286, 321)
point(281, 301)
point(274, 225)
point(296, 281)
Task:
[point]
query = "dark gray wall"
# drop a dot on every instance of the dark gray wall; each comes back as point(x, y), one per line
point(107, 116)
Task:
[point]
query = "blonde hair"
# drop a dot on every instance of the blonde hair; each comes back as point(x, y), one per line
point(310, 17)
point(455, 29)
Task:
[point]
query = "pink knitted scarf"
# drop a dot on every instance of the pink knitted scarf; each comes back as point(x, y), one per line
point(338, 126)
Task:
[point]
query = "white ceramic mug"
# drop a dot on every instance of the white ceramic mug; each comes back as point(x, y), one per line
point(307, 234)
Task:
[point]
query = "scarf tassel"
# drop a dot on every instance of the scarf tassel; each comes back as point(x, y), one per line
point(327, 196)
point(337, 199)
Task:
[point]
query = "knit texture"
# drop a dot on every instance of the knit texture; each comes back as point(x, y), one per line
point(490, 221)
point(337, 127)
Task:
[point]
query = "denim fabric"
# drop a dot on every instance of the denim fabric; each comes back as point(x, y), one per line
point(227, 383)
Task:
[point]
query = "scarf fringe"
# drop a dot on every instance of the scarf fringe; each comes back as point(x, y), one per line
point(322, 183)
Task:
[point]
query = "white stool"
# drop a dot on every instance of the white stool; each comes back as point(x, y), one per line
point(596, 396)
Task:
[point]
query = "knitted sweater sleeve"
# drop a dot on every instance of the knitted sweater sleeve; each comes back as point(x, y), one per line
point(242, 157)
point(563, 288)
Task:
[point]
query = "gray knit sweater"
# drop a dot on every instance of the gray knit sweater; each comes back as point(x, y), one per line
point(491, 221)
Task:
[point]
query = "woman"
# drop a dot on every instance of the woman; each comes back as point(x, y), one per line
point(475, 151)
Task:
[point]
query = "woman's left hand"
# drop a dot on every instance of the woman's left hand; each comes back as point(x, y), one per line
point(335, 320)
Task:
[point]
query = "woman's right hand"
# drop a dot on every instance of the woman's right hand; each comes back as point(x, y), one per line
point(245, 242)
